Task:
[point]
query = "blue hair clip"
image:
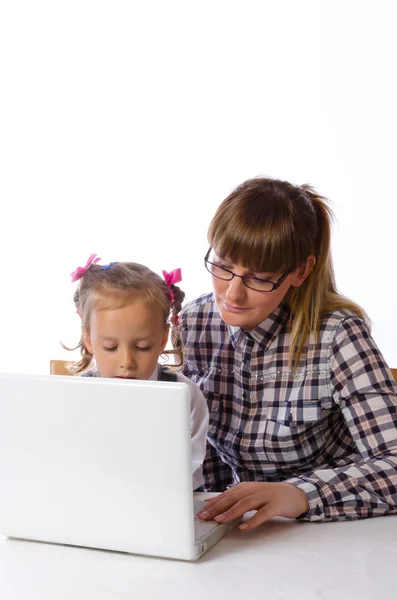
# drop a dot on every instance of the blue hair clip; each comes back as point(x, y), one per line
point(105, 267)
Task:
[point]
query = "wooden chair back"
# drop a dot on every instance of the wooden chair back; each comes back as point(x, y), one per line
point(59, 367)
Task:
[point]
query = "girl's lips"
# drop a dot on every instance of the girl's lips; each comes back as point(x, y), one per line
point(119, 377)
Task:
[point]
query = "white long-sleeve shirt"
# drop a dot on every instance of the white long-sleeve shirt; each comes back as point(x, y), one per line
point(199, 424)
point(198, 417)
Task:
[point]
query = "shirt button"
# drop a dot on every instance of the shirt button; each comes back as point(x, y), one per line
point(244, 395)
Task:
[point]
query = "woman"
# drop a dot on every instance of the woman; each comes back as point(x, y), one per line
point(303, 408)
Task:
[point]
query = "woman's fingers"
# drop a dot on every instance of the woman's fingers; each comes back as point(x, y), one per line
point(239, 509)
point(215, 506)
point(213, 509)
point(232, 506)
point(269, 499)
point(261, 516)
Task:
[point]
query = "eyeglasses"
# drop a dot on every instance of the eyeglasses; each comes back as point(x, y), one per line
point(253, 283)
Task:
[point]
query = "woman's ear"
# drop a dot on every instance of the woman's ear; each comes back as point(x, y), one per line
point(86, 339)
point(302, 272)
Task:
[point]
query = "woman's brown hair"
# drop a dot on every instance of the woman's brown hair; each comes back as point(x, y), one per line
point(269, 225)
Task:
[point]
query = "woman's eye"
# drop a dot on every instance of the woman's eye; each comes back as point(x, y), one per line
point(144, 348)
point(221, 265)
point(112, 349)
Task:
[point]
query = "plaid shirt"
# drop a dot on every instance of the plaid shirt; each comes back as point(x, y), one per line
point(330, 428)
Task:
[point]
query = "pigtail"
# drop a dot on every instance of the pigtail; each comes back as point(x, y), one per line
point(85, 361)
point(176, 336)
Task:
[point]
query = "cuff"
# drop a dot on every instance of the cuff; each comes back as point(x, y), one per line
point(316, 510)
point(198, 478)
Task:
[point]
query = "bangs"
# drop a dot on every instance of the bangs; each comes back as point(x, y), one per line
point(121, 285)
point(111, 299)
point(263, 236)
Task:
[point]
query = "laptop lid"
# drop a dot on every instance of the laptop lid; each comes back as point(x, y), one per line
point(103, 463)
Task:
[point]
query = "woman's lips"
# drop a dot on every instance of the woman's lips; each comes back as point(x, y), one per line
point(235, 309)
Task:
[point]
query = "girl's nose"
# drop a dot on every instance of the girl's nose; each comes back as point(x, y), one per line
point(127, 359)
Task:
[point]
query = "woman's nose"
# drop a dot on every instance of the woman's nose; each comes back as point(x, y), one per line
point(235, 289)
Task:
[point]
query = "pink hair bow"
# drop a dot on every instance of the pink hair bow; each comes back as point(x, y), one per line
point(79, 272)
point(171, 278)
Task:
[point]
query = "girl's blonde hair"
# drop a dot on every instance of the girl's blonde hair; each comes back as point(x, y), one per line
point(123, 282)
point(269, 225)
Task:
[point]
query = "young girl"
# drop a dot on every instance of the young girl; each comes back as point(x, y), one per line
point(126, 312)
point(303, 408)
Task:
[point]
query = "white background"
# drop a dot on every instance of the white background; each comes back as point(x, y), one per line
point(123, 125)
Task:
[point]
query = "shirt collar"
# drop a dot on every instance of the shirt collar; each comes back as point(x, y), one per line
point(264, 333)
point(155, 375)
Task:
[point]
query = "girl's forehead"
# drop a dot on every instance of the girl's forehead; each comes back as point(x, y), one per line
point(113, 303)
point(125, 318)
point(116, 298)
point(120, 301)
point(113, 300)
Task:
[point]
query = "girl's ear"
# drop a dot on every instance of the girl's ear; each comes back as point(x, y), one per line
point(303, 272)
point(165, 337)
point(86, 339)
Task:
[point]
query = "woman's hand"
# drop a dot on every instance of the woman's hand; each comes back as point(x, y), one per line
point(268, 499)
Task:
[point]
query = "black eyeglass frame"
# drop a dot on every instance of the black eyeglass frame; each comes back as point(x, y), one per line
point(275, 284)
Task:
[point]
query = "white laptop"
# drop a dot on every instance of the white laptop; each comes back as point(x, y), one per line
point(100, 463)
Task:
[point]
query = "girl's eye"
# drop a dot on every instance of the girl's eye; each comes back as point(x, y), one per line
point(144, 348)
point(112, 349)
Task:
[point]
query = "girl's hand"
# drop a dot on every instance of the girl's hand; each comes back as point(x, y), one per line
point(268, 499)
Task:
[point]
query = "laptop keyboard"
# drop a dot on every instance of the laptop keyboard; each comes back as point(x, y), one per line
point(202, 528)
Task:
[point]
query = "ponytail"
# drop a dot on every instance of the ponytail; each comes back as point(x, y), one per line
point(318, 294)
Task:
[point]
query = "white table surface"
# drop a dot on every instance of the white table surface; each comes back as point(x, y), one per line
point(283, 559)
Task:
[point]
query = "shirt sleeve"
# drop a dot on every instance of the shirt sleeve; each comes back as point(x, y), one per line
point(199, 427)
point(209, 470)
point(364, 389)
point(218, 476)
